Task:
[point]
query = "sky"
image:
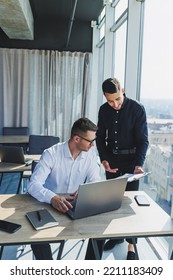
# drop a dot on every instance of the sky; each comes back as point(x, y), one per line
point(157, 62)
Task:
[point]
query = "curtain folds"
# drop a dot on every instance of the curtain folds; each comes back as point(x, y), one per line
point(45, 90)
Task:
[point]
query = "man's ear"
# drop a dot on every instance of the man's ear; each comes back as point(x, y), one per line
point(76, 138)
point(122, 90)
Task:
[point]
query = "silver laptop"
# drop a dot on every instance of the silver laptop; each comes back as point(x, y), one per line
point(13, 154)
point(98, 197)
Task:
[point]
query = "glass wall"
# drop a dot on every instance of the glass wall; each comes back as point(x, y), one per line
point(121, 5)
point(120, 30)
point(120, 52)
point(156, 89)
point(152, 86)
point(157, 97)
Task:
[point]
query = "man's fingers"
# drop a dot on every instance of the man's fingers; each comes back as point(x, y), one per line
point(113, 170)
point(61, 204)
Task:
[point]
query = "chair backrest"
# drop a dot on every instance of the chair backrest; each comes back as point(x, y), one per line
point(23, 130)
point(38, 143)
point(34, 163)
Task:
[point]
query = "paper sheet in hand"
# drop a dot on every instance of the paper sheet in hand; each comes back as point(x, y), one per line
point(133, 177)
point(41, 219)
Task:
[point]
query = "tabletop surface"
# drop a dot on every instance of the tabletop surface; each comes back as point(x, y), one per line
point(130, 220)
point(15, 167)
point(14, 139)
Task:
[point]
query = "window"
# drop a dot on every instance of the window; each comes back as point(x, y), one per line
point(156, 95)
point(120, 52)
point(121, 6)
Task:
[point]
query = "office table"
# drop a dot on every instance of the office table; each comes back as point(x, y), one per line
point(14, 139)
point(130, 220)
point(7, 167)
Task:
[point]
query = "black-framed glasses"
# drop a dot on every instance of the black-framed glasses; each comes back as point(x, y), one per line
point(90, 141)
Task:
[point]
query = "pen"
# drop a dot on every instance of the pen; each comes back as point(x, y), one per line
point(38, 216)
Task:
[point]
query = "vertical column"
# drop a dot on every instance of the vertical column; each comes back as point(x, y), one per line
point(93, 112)
point(134, 48)
point(108, 56)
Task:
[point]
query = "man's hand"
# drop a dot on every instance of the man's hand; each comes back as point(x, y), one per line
point(107, 167)
point(138, 170)
point(72, 196)
point(61, 203)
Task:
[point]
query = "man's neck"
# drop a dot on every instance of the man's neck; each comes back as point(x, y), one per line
point(73, 150)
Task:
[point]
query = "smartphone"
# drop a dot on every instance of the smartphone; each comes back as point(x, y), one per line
point(9, 226)
point(141, 200)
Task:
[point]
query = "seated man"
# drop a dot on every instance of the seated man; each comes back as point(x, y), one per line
point(61, 169)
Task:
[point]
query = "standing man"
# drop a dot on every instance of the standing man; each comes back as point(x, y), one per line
point(122, 139)
point(61, 169)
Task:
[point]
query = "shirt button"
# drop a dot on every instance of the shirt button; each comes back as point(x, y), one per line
point(115, 131)
point(117, 112)
point(115, 141)
point(116, 122)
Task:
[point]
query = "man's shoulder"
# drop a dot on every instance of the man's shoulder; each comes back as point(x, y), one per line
point(135, 103)
point(55, 148)
point(104, 107)
point(92, 152)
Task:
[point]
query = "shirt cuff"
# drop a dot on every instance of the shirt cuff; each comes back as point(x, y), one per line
point(48, 196)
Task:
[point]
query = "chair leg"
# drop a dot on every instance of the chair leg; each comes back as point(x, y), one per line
point(61, 247)
point(136, 250)
point(1, 178)
point(1, 251)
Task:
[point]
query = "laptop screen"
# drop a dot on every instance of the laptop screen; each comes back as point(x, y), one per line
point(98, 197)
point(12, 154)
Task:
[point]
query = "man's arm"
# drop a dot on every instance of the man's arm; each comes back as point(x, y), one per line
point(141, 136)
point(101, 144)
point(93, 170)
point(41, 172)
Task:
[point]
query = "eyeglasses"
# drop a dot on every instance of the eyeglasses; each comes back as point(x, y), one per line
point(90, 141)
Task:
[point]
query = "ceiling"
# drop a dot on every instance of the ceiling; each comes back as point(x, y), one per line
point(63, 25)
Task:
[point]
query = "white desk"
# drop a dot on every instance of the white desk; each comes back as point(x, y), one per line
point(130, 220)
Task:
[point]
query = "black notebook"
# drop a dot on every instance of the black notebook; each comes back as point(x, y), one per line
point(41, 219)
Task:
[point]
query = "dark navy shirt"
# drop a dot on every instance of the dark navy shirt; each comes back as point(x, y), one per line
point(123, 129)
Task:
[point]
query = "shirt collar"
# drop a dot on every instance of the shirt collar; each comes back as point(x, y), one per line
point(124, 102)
point(67, 152)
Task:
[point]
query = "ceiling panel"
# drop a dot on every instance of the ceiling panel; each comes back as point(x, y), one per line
point(54, 27)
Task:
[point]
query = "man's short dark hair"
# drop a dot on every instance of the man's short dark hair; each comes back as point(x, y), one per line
point(81, 126)
point(111, 85)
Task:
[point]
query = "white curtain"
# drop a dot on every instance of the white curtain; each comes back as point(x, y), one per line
point(44, 90)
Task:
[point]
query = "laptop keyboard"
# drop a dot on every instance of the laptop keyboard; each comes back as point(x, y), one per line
point(73, 203)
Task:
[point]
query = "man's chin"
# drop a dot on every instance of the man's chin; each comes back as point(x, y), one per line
point(86, 150)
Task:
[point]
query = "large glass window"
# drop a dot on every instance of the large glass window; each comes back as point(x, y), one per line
point(101, 22)
point(157, 97)
point(120, 52)
point(121, 6)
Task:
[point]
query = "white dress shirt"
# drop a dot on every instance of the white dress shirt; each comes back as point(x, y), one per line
point(57, 172)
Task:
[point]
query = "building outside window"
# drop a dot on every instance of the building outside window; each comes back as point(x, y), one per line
point(157, 97)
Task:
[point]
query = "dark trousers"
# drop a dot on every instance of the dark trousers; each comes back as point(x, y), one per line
point(42, 251)
point(90, 255)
